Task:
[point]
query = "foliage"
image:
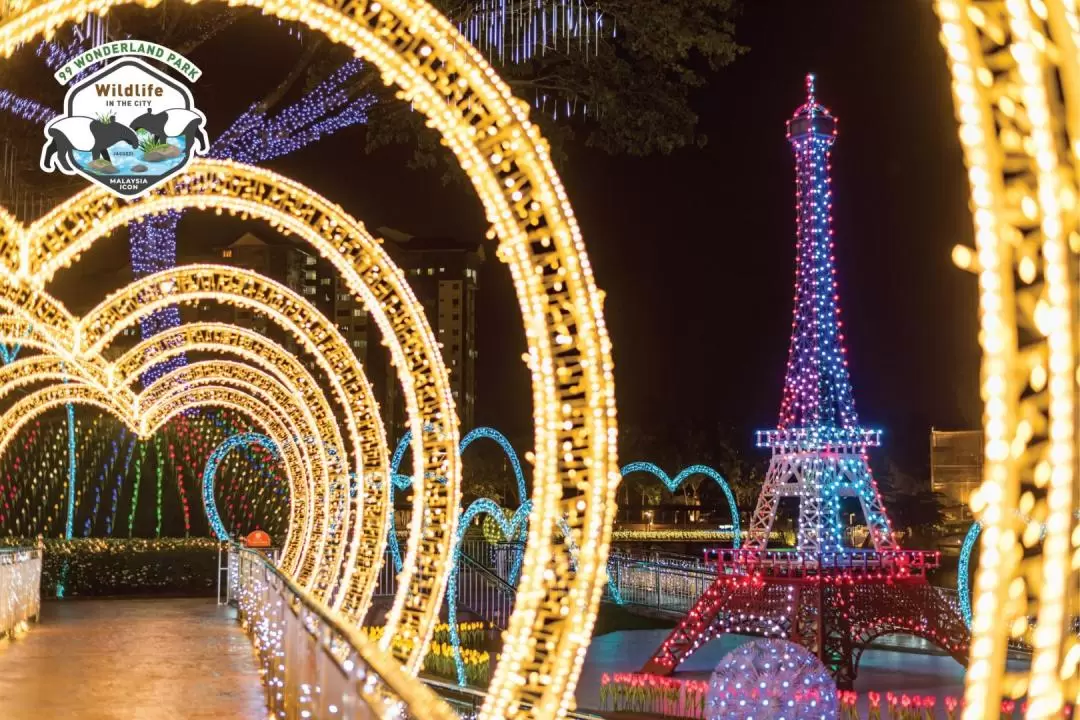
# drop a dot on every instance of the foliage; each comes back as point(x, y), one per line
point(148, 143)
point(917, 511)
point(687, 444)
point(632, 91)
point(487, 474)
point(93, 567)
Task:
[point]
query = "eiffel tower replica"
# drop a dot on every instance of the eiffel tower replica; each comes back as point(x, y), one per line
point(831, 598)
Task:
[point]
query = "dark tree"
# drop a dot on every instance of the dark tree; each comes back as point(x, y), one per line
point(627, 94)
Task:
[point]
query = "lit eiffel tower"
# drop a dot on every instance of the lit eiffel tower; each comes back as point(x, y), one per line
point(819, 450)
point(832, 599)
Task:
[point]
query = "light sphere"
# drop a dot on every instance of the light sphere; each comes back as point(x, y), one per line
point(771, 680)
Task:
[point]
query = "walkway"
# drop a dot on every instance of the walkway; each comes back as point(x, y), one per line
point(131, 660)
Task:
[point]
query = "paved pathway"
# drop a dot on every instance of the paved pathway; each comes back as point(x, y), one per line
point(131, 660)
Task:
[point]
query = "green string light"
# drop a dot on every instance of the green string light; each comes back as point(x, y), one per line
point(160, 473)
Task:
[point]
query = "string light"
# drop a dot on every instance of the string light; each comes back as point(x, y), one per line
point(672, 484)
point(252, 138)
point(819, 449)
point(819, 454)
point(1014, 85)
point(256, 192)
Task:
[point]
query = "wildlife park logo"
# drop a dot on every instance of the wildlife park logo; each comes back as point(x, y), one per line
point(127, 126)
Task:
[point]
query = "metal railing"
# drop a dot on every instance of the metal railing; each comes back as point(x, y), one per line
point(313, 666)
point(481, 591)
point(792, 563)
point(666, 585)
point(20, 588)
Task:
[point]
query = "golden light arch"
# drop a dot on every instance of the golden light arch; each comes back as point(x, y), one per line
point(298, 423)
point(45, 399)
point(93, 333)
point(195, 283)
point(226, 284)
point(354, 589)
point(373, 277)
point(298, 469)
point(1016, 87)
point(508, 163)
point(300, 318)
point(359, 585)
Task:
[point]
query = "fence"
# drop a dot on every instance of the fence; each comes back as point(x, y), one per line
point(20, 588)
point(312, 665)
point(662, 584)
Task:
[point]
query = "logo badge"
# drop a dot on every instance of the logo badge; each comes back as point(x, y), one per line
point(127, 127)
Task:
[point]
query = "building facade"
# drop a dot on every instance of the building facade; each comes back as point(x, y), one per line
point(956, 459)
point(443, 274)
point(305, 273)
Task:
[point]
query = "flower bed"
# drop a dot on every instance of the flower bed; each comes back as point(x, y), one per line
point(671, 697)
point(641, 693)
point(440, 657)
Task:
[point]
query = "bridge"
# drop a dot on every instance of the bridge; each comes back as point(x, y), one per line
point(193, 660)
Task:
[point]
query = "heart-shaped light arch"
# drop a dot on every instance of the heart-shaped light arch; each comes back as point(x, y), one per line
point(576, 473)
point(210, 473)
point(369, 273)
point(306, 324)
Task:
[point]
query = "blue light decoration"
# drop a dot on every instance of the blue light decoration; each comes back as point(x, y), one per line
point(120, 475)
point(90, 33)
point(25, 108)
point(963, 571)
point(210, 471)
point(673, 484)
point(516, 526)
point(819, 448)
point(69, 525)
point(403, 482)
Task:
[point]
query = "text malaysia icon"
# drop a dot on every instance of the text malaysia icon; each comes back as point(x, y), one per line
point(128, 127)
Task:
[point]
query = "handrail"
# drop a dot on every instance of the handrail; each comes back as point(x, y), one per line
point(482, 591)
point(286, 622)
point(471, 699)
point(487, 573)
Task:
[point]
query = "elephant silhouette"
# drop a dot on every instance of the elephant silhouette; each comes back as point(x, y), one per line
point(67, 134)
point(174, 123)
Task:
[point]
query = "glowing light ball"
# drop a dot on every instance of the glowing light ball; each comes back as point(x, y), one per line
point(257, 539)
point(771, 680)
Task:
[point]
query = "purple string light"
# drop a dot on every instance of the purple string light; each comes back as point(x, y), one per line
point(252, 138)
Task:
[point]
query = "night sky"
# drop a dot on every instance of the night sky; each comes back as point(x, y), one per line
point(696, 250)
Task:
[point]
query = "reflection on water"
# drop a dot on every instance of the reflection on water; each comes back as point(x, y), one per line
point(125, 158)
